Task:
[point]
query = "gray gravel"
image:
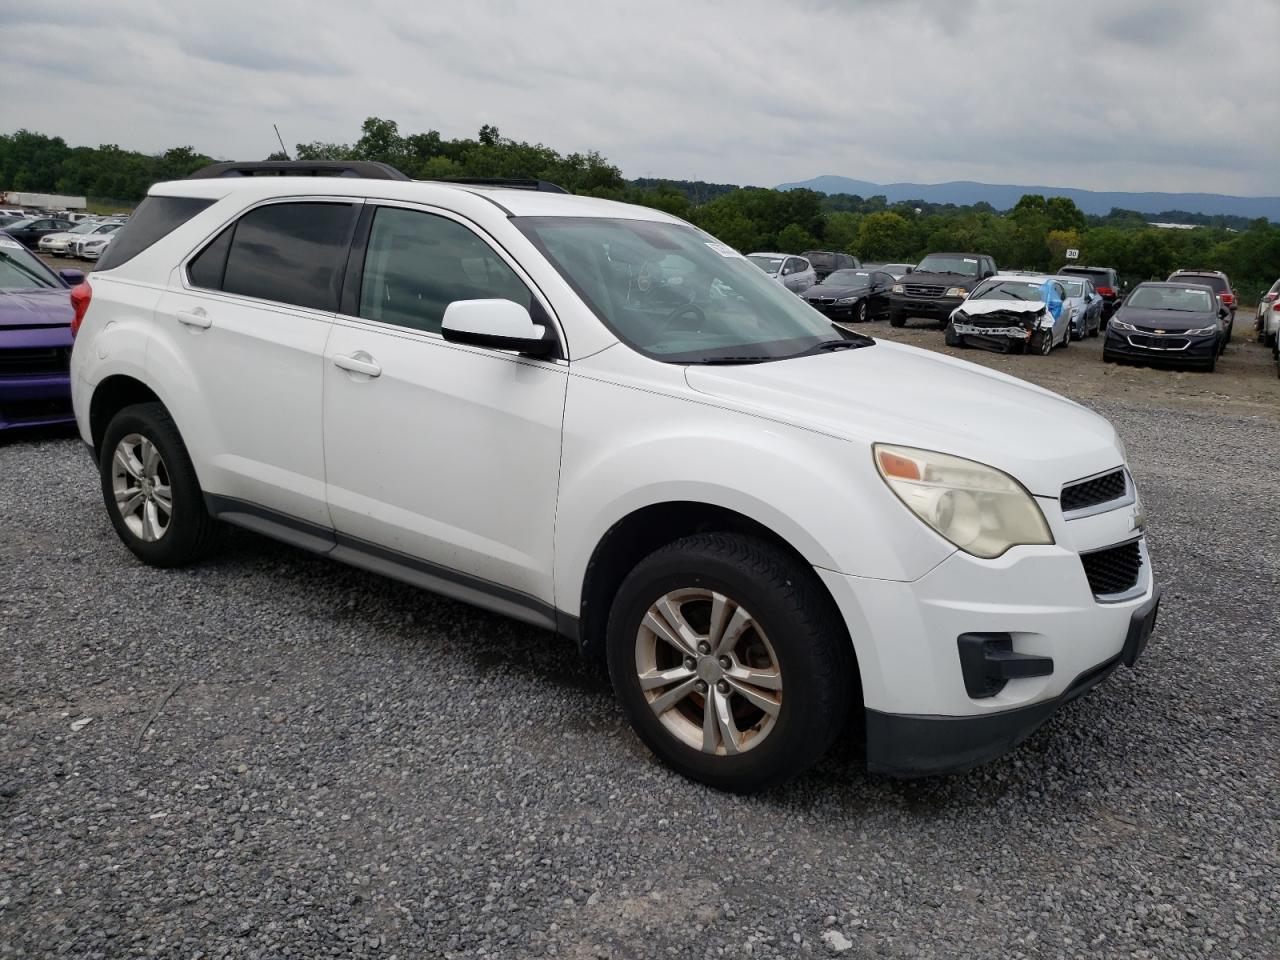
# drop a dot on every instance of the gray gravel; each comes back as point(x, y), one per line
point(348, 767)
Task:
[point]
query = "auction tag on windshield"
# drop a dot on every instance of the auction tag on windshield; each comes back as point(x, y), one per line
point(968, 260)
point(6, 242)
point(724, 250)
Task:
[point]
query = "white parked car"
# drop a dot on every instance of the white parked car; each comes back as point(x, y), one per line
point(756, 518)
point(794, 273)
point(60, 244)
point(1268, 320)
point(91, 246)
point(1014, 312)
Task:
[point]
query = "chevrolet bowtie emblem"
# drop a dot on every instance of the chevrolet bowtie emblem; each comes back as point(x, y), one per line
point(1159, 331)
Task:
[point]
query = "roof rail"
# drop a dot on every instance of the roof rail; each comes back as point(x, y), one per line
point(511, 183)
point(364, 169)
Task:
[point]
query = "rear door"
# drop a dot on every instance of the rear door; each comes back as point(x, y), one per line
point(248, 317)
point(441, 457)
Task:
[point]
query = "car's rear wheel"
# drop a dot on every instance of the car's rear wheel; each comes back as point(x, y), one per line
point(150, 488)
point(730, 661)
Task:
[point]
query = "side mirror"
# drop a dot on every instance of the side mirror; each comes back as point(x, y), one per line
point(498, 324)
point(73, 277)
point(911, 269)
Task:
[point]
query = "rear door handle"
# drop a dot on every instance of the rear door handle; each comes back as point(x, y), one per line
point(359, 363)
point(195, 318)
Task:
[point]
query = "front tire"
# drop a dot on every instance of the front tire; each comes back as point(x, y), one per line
point(150, 488)
point(1042, 342)
point(861, 316)
point(897, 320)
point(730, 661)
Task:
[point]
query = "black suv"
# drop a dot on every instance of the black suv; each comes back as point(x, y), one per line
point(938, 285)
point(1105, 280)
point(825, 262)
point(1221, 286)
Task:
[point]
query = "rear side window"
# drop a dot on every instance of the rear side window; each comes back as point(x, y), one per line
point(287, 252)
point(1207, 279)
point(208, 266)
point(155, 217)
point(417, 264)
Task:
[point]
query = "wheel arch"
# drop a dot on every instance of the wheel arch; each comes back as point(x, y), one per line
point(644, 530)
point(112, 395)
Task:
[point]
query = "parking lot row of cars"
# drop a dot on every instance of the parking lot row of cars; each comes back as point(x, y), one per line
point(1185, 321)
point(57, 234)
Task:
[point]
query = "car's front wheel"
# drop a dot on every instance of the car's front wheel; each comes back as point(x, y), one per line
point(150, 488)
point(730, 661)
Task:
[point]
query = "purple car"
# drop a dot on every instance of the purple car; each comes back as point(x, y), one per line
point(35, 339)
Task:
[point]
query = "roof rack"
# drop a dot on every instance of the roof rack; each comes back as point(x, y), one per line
point(511, 183)
point(364, 169)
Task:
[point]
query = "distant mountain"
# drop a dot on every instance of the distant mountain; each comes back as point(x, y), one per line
point(1003, 196)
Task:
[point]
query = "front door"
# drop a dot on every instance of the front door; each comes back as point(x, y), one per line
point(444, 457)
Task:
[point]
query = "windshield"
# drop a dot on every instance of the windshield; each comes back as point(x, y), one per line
point(87, 227)
point(770, 265)
point(1181, 299)
point(20, 270)
point(942, 263)
point(673, 293)
point(1208, 279)
point(1010, 290)
point(1075, 288)
point(21, 224)
point(847, 278)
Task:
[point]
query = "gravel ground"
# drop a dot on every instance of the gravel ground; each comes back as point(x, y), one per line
point(275, 756)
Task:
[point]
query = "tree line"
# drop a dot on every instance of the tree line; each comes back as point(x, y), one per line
point(1034, 235)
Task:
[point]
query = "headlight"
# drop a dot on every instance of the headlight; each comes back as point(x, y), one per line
point(1121, 325)
point(956, 292)
point(981, 510)
point(896, 288)
point(847, 300)
point(1202, 331)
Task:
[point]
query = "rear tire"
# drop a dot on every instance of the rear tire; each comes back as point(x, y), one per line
point(150, 488)
point(789, 639)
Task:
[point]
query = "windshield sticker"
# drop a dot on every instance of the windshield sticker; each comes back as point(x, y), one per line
point(968, 260)
point(724, 250)
point(13, 244)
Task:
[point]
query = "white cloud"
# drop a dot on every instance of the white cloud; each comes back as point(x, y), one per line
point(1152, 96)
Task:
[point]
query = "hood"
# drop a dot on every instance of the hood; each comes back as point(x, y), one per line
point(1165, 319)
point(893, 393)
point(36, 308)
point(837, 291)
point(1021, 312)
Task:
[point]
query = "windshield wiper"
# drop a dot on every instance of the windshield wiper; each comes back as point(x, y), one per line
point(723, 361)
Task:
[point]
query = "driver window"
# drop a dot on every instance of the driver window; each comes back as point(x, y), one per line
point(416, 264)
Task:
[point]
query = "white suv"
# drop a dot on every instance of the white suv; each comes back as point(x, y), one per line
point(595, 418)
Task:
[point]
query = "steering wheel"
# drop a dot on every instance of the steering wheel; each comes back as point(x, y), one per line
point(690, 309)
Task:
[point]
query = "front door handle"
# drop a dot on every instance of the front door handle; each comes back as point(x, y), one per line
point(195, 318)
point(359, 363)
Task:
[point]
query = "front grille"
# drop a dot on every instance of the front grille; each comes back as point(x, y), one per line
point(1091, 492)
point(1113, 570)
point(923, 290)
point(825, 301)
point(28, 361)
point(1159, 343)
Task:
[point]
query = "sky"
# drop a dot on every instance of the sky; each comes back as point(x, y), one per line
point(1172, 95)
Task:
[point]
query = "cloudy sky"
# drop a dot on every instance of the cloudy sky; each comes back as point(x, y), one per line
point(1174, 95)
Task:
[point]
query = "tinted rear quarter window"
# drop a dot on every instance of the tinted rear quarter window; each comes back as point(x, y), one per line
point(290, 253)
point(155, 217)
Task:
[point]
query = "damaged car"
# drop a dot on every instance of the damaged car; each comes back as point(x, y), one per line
point(1013, 314)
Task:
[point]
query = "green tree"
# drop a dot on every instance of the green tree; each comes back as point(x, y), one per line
point(794, 238)
point(883, 236)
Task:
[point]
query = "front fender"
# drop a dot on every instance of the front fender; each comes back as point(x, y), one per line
point(626, 449)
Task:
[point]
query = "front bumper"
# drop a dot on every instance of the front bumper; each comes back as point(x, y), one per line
point(906, 635)
point(836, 311)
point(915, 746)
point(39, 396)
point(1173, 349)
point(936, 308)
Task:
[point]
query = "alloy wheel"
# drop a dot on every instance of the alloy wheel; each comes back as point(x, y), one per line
point(140, 483)
point(708, 672)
